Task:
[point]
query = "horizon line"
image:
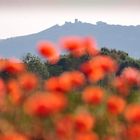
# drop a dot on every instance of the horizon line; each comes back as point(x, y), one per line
point(71, 22)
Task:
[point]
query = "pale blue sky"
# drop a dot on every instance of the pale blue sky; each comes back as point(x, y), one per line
point(20, 17)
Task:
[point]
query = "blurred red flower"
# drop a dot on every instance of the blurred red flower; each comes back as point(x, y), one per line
point(28, 81)
point(14, 67)
point(65, 82)
point(14, 91)
point(131, 76)
point(65, 127)
point(84, 121)
point(13, 136)
point(132, 113)
point(115, 104)
point(98, 67)
point(86, 136)
point(45, 104)
point(93, 95)
point(74, 45)
point(90, 46)
point(133, 132)
point(121, 85)
point(48, 51)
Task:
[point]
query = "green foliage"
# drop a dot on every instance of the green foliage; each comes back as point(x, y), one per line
point(36, 65)
point(123, 59)
point(69, 63)
point(5, 75)
point(66, 63)
point(54, 70)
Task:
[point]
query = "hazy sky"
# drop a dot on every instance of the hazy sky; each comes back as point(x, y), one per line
point(20, 17)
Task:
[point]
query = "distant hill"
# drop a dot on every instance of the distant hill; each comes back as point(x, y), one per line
point(125, 38)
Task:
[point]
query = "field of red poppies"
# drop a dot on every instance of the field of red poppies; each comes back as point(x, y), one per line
point(73, 105)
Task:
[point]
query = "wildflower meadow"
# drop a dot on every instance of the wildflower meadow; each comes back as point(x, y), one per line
point(74, 105)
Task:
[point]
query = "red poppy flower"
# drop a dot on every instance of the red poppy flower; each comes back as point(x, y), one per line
point(132, 113)
point(74, 45)
point(65, 127)
point(59, 84)
point(121, 85)
point(90, 46)
point(86, 136)
point(84, 121)
point(133, 132)
point(131, 75)
point(48, 51)
point(14, 66)
point(115, 105)
point(14, 136)
point(93, 95)
point(44, 104)
point(28, 81)
point(14, 91)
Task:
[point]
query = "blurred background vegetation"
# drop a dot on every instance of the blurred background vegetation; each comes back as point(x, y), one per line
point(67, 63)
